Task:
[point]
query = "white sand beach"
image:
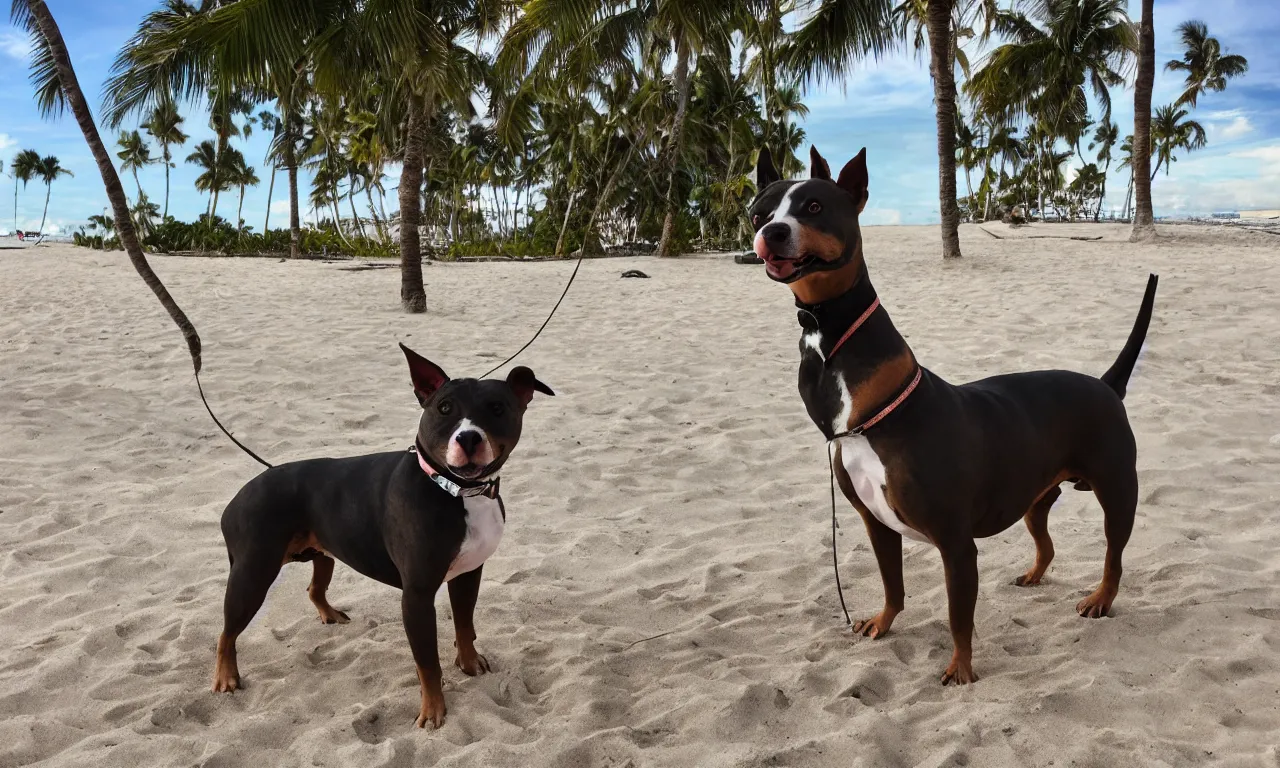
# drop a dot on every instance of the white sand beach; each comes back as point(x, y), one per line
point(664, 593)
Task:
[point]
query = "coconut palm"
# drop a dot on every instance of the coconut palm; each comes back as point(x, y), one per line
point(1126, 161)
point(144, 214)
point(165, 126)
point(1104, 139)
point(104, 223)
point(968, 154)
point(1144, 223)
point(212, 179)
point(239, 174)
point(48, 170)
point(1057, 56)
point(56, 89)
point(134, 154)
point(1207, 69)
point(1170, 132)
point(837, 33)
point(25, 164)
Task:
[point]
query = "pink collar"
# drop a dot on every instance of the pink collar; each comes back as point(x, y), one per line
point(853, 328)
point(888, 409)
point(489, 488)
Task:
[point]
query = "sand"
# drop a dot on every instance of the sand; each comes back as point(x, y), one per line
point(664, 594)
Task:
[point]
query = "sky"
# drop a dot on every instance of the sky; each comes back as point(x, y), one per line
point(886, 106)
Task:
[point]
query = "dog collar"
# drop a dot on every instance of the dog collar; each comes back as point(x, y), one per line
point(457, 488)
point(885, 411)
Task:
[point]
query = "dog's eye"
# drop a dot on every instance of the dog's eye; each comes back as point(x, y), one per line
point(497, 408)
point(815, 207)
point(445, 407)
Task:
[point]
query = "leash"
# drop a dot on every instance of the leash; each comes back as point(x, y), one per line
point(527, 344)
point(230, 436)
point(581, 255)
point(831, 463)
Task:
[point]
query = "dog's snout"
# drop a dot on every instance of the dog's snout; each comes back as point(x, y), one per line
point(776, 232)
point(469, 440)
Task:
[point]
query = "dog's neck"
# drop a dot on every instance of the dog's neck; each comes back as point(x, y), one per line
point(873, 361)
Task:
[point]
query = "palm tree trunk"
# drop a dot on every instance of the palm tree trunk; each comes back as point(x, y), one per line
point(413, 295)
point(682, 82)
point(111, 180)
point(271, 187)
point(944, 94)
point(240, 211)
point(351, 198)
point(1102, 196)
point(167, 161)
point(137, 184)
point(605, 193)
point(564, 225)
point(216, 182)
point(48, 190)
point(986, 177)
point(15, 203)
point(295, 220)
point(1128, 195)
point(373, 211)
point(1144, 225)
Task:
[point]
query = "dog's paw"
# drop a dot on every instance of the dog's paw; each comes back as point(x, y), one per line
point(224, 682)
point(1028, 579)
point(472, 664)
point(960, 672)
point(333, 616)
point(433, 710)
point(876, 626)
point(1097, 605)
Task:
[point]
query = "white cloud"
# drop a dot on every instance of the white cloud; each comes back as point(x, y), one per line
point(1268, 154)
point(7, 141)
point(15, 45)
point(874, 216)
point(280, 206)
point(1235, 129)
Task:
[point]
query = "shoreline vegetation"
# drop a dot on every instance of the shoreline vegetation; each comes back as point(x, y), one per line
point(548, 128)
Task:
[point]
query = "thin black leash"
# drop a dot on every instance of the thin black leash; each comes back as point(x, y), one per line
point(835, 561)
point(230, 436)
point(582, 255)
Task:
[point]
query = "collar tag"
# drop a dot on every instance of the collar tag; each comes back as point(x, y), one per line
point(488, 488)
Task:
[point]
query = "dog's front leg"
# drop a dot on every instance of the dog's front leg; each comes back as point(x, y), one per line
point(887, 544)
point(417, 604)
point(960, 562)
point(463, 593)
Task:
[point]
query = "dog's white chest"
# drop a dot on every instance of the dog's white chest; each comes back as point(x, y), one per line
point(867, 473)
point(484, 531)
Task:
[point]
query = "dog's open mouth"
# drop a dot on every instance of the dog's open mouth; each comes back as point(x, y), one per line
point(472, 471)
point(782, 268)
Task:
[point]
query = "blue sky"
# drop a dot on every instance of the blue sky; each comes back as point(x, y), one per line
point(886, 106)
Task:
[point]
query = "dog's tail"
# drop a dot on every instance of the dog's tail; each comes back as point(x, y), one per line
point(1117, 376)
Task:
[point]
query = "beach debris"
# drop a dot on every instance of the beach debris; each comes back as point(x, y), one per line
point(634, 273)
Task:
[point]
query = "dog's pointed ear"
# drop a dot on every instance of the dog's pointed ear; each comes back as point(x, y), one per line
point(427, 376)
point(522, 380)
point(853, 178)
point(766, 172)
point(818, 168)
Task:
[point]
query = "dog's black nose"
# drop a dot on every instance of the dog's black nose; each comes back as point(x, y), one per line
point(468, 441)
point(776, 232)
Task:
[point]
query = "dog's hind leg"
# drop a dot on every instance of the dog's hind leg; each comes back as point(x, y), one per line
point(251, 576)
point(1118, 495)
point(321, 575)
point(1037, 520)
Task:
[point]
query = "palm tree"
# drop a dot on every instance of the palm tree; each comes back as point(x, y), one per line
point(49, 169)
point(1207, 69)
point(205, 157)
point(241, 175)
point(968, 154)
point(1170, 132)
point(1126, 161)
point(840, 32)
point(270, 122)
point(165, 126)
point(1104, 138)
point(1046, 70)
point(25, 164)
point(105, 223)
point(1144, 222)
point(56, 88)
point(225, 105)
point(144, 214)
point(134, 154)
